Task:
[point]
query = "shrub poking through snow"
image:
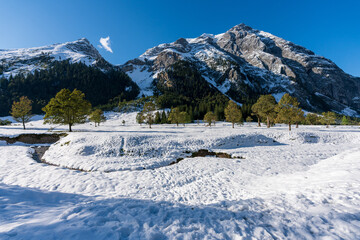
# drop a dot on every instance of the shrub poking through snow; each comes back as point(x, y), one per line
point(67, 108)
point(21, 111)
point(4, 122)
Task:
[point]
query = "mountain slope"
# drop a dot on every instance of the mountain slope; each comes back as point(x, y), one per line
point(27, 60)
point(39, 73)
point(244, 63)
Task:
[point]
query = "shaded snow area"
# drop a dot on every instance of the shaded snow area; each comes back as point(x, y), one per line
point(277, 185)
point(143, 78)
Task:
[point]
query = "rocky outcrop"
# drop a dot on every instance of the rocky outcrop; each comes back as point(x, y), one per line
point(34, 138)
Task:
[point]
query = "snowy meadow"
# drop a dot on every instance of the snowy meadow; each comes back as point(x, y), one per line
point(128, 181)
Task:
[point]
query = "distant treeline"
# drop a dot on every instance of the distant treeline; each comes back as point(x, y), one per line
point(99, 87)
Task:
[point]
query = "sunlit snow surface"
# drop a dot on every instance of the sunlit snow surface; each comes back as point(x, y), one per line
point(299, 185)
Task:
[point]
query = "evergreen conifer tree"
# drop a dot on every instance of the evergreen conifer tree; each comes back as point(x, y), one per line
point(174, 116)
point(288, 110)
point(148, 113)
point(67, 108)
point(210, 118)
point(345, 121)
point(265, 108)
point(328, 118)
point(300, 117)
point(157, 118)
point(233, 113)
point(21, 111)
point(163, 117)
point(184, 117)
point(140, 118)
point(97, 116)
point(312, 119)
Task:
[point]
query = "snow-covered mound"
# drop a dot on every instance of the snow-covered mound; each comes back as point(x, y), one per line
point(243, 60)
point(25, 60)
point(126, 151)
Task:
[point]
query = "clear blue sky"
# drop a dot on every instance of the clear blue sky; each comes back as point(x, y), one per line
point(329, 28)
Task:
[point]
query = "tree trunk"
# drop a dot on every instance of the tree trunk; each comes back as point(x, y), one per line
point(70, 127)
point(259, 125)
point(149, 125)
point(297, 125)
point(267, 122)
point(289, 126)
point(177, 124)
point(327, 126)
point(23, 122)
point(233, 125)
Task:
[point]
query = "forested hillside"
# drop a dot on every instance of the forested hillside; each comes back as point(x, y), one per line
point(183, 86)
point(40, 86)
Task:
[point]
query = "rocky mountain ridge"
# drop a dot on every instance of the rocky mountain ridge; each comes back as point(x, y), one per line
point(244, 62)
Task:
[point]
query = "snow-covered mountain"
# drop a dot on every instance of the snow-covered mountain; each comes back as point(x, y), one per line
point(40, 72)
point(244, 62)
point(25, 60)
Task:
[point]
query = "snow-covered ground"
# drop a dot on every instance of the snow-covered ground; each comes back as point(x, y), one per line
point(279, 185)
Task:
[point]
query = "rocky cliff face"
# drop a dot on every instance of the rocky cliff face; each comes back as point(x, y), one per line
point(244, 62)
point(25, 60)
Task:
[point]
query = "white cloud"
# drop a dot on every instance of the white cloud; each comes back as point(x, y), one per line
point(105, 43)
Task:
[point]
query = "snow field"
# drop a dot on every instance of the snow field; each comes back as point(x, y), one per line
point(298, 185)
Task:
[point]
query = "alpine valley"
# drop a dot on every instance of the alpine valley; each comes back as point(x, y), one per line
point(240, 64)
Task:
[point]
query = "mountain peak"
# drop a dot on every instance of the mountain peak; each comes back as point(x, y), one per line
point(241, 27)
point(181, 41)
point(83, 40)
point(27, 60)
